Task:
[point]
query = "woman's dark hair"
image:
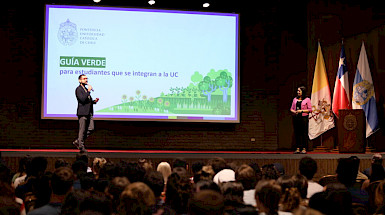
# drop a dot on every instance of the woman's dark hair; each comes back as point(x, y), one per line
point(378, 172)
point(304, 92)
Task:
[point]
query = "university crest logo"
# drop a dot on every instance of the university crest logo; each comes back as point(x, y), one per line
point(67, 34)
point(362, 92)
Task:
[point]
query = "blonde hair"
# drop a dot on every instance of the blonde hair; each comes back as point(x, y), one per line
point(98, 163)
point(165, 169)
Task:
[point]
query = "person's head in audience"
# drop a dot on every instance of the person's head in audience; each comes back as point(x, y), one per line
point(268, 196)
point(136, 199)
point(134, 172)
point(179, 162)
point(196, 166)
point(81, 201)
point(280, 168)
point(146, 164)
point(115, 189)
point(62, 181)
point(206, 202)
point(38, 166)
point(155, 181)
point(165, 169)
point(82, 156)
point(246, 176)
point(108, 171)
point(178, 192)
point(5, 173)
point(180, 171)
point(286, 182)
point(308, 167)
point(87, 181)
point(377, 172)
point(377, 158)
point(300, 182)
point(79, 167)
point(339, 199)
point(232, 192)
point(269, 172)
point(61, 163)
point(23, 163)
point(97, 164)
point(346, 171)
point(218, 164)
point(290, 200)
point(356, 162)
point(206, 185)
point(318, 201)
point(100, 185)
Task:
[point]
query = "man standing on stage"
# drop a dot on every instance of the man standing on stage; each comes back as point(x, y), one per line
point(85, 111)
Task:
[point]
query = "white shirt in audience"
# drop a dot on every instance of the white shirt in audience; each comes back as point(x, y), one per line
point(313, 188)
point(249, 197)
point(225, 175)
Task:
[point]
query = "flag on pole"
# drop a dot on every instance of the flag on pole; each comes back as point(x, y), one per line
point(363, 92)
point(341, 94)
point(321, 118)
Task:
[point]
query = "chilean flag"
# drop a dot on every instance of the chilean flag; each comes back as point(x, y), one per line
point(341, 94)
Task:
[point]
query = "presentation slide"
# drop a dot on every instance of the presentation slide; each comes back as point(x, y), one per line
point(144, 64)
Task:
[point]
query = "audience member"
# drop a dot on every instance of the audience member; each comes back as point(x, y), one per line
point(223, 173)
point(206, 185)
point(268, 196)
point(376, 158)
point(97, 164)
point(115, 189)
point(206, 202)
point(308, 168)
point(21, 172)
point(178, 192)
point(165, 169)
point(246, 176)
point(136, 199)
point(269, 172)
point(61, 184)
point(377, 174)
point(233, 195)
point(346, 174)
point(146, 164)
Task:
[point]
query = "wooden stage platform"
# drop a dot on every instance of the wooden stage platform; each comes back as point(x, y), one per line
point(327, 162)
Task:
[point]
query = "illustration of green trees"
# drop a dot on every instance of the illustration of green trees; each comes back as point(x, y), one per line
point(224, 82)
point(207, 86)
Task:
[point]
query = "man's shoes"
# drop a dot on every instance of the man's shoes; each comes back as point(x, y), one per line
point(76, 144)
point(297, 151)
point(303, 151)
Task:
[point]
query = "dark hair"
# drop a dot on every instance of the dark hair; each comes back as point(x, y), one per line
point(304, 93)
point(61, 163)
point(246, 175)
point(197, 166)
point(378, 172)
point(300, 182)
point(308, 167)
point(179, 162)
point(155, 181)
point(62, 180)
point(232, 192)
point(80, 76)
point(207, 185)
point(346, 171)
point(269, 172)
point(268, 193)
point(218, 164)
point(178, 192)
point(207, 202)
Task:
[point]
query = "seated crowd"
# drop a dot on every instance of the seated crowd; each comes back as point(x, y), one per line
point(216, 187)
